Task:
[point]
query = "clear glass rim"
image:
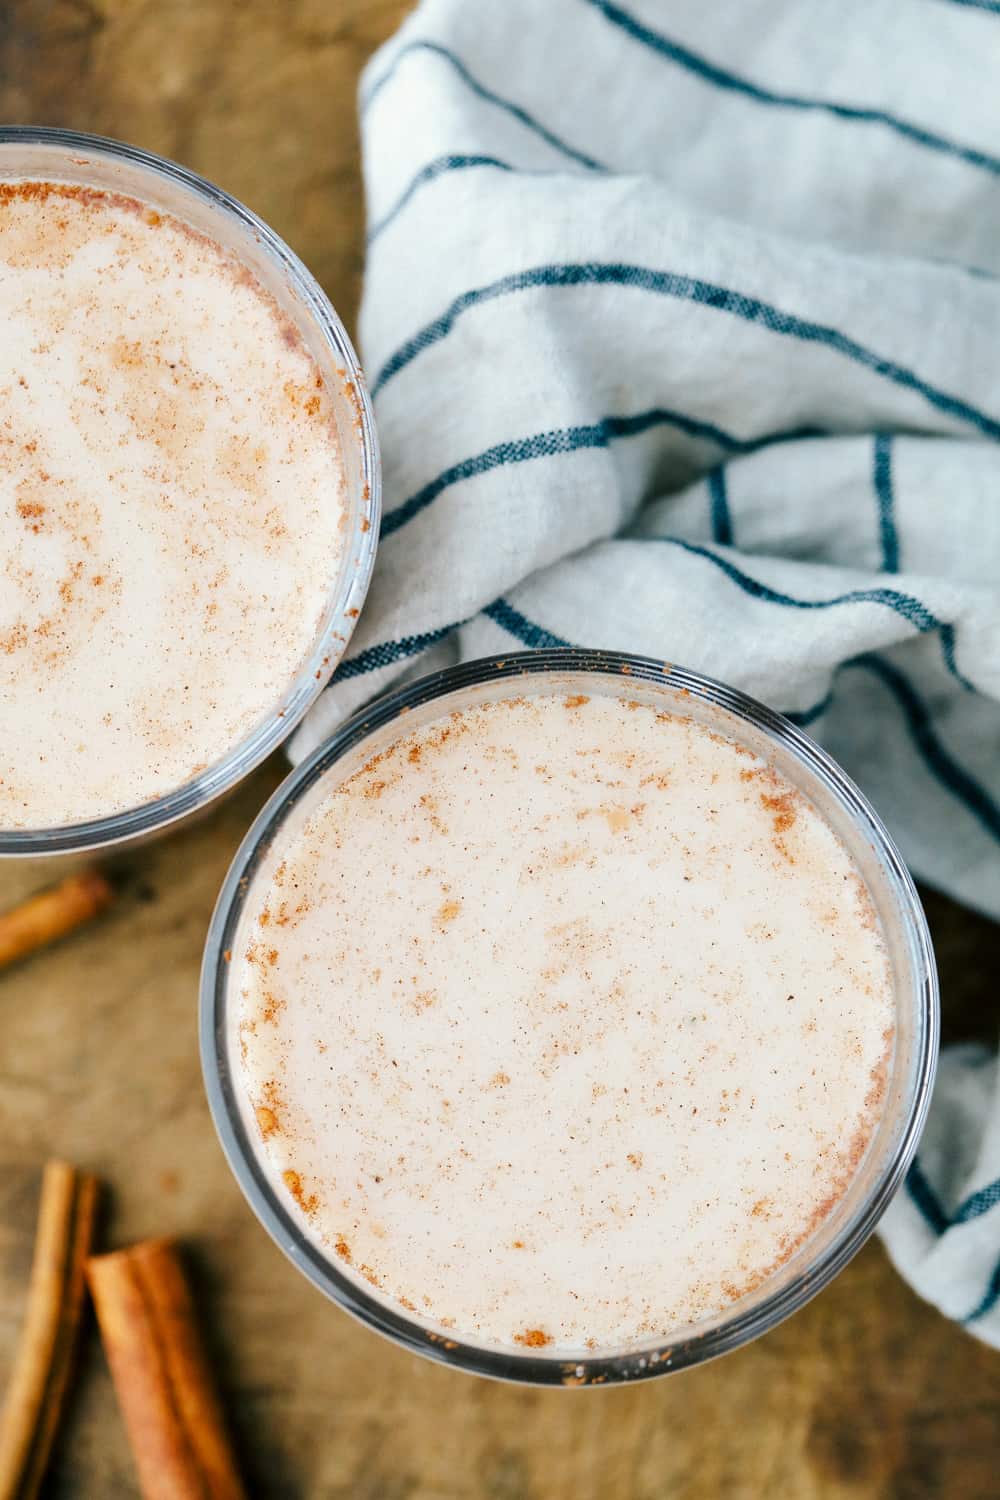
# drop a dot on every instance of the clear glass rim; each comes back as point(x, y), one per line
point(150, 817)
point(613, 1367)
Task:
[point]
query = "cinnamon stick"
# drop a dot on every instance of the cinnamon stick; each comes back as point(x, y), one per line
point(44, 1356)
point(165, 1390)
point(67, 1339)
point(51, 914)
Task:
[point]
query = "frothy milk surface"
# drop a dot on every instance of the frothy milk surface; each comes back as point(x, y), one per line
point(171, 503)
point(564, 1021)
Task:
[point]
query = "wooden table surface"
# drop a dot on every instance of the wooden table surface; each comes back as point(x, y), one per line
point(865, 1395)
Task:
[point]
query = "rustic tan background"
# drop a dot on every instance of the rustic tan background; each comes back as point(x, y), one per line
point(866, 1395)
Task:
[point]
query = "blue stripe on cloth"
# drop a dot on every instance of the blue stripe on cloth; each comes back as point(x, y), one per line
point(689, 289)
point(990, 5)
point(925, 1199)
point(930, 1206)
point(882, 476)
point(722, 521)
point(517, 451)
point(437, 168)
point(978, 1203)
point(557, 440)
point(938, 760)
point(389, 652)
point(979, 272)
point(483, 92)
point(803, 717)
point(722, 78)
point(536, 637)
point(656, 416)
point(990, 1298)
point(913, 610)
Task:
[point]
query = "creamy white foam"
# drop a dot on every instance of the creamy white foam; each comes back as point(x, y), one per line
point(564, 1021)
point(172, 504)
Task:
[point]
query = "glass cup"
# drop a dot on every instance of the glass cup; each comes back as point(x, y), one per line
point(66, 156)
point(800, 761)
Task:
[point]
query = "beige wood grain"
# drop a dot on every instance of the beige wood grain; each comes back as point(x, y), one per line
point(865, 1395)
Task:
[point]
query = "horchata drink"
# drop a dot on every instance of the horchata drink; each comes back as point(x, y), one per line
point(560, 1018)
point(186, 526)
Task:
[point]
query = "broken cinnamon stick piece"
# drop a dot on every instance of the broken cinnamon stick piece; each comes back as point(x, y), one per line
point(51, 914)
point(26, 1390)
point(165, 1390)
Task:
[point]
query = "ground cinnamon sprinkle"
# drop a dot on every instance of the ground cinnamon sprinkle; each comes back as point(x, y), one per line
point(293, 1182)
point(342, 1248)
point(866, 908)
point(270, 1007)
point(783, 808)
point(533, 1338)
point(268, 1112)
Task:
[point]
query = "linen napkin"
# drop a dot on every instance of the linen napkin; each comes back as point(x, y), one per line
point(682, 325)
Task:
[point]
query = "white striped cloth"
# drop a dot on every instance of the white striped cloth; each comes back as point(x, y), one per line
point(683, 329)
